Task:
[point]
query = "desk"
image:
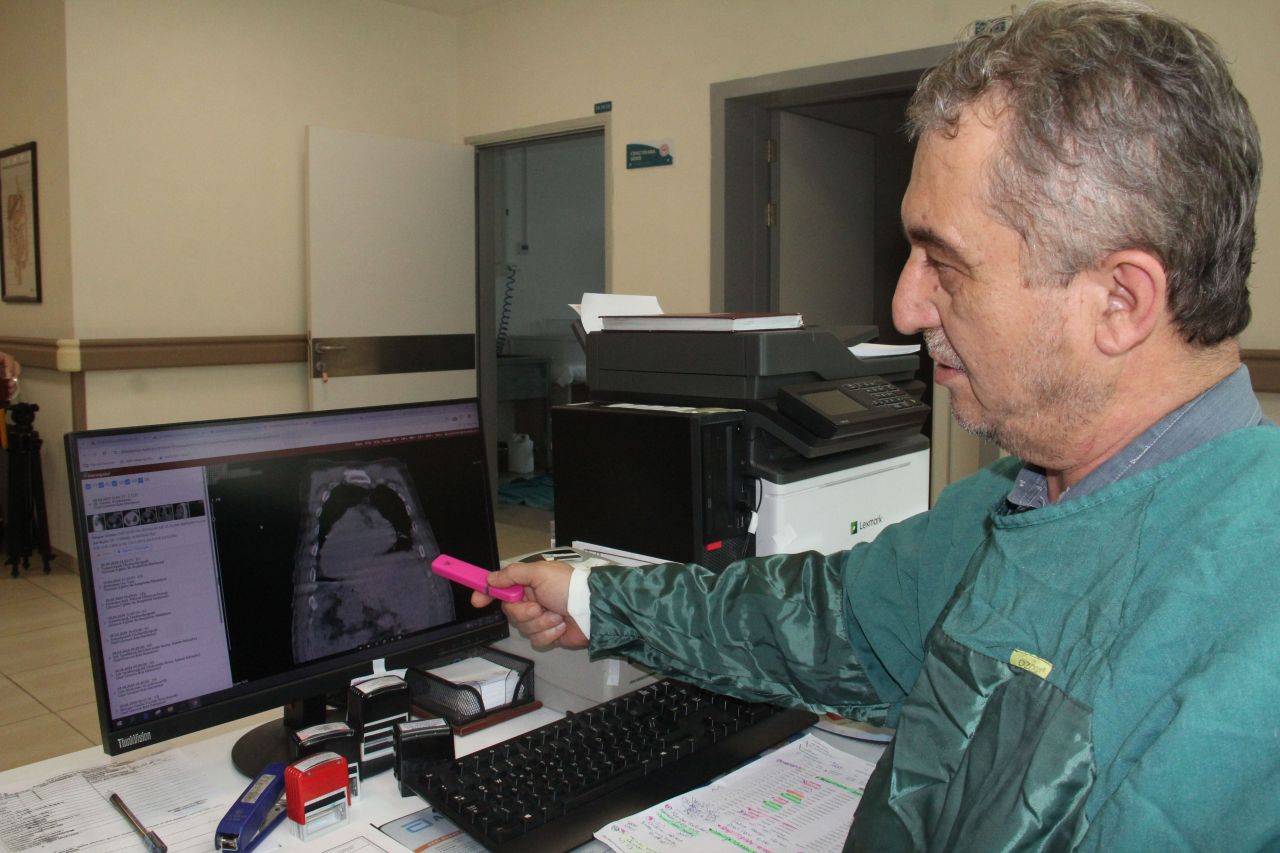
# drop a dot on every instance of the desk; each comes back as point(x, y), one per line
point(209, 754)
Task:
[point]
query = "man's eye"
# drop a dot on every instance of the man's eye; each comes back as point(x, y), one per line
point(937, 266)
point(947, 276)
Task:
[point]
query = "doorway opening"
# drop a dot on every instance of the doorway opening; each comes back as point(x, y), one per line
point(540, 244)
point(805, 213)
point(815, 164)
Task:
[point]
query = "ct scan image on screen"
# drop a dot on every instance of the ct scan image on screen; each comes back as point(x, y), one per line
point(363, 565)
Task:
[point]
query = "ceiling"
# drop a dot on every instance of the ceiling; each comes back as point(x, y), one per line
point(452, 8)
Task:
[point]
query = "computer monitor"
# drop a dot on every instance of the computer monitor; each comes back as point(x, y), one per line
point(233, 566)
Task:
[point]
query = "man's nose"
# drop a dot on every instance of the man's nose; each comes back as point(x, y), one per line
point(914, 309)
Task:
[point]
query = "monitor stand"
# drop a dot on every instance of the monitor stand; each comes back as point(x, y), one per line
point(269, 742)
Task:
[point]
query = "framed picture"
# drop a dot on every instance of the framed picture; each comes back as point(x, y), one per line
point(19, 225)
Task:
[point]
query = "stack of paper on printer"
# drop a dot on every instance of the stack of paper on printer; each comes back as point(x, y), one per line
point(723, 321)
point(634, 312)
point(594, 306)
point(495, 683)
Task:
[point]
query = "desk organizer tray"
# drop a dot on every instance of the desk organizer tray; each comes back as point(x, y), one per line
point(462, 703)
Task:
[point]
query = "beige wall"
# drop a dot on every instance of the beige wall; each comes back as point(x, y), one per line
point(188, 133)
point(182, 126)
point(538, 61)
point(1271, 406)
point(33, 108)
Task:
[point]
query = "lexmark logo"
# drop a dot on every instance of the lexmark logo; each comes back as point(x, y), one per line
point(855, 526)
point(132, 740)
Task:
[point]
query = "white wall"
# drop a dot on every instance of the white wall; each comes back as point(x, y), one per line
point(538, 61)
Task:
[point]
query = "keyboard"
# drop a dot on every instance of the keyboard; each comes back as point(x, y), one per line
point(553, 787)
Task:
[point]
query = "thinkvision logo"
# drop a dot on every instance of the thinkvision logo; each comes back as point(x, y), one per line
point(855, 526)
point(132, 740)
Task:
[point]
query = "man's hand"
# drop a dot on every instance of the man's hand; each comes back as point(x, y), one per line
point(9, 372)
point(543, 616)
point(9, 367)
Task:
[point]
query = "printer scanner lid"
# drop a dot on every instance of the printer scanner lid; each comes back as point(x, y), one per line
point(727, 366)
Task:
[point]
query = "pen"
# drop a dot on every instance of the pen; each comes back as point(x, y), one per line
point(149, 838)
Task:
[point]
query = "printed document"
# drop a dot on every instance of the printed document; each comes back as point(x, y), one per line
point(798, 798)
point(70, 812)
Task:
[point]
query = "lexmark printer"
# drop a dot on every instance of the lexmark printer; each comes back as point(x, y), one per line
point(709, 446)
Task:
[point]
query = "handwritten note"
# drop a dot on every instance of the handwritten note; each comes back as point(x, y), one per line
point(799, 798)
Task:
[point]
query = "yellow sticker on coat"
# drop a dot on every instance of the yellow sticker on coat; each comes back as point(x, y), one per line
point(1032, 664)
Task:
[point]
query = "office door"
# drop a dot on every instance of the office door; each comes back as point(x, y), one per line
point(391, 306)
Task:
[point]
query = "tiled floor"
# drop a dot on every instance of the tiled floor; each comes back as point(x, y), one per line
point(46, 688)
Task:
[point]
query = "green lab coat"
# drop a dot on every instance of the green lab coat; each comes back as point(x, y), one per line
point(1099, 674)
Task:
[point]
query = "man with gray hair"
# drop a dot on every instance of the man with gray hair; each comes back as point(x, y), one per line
point(1075, 644)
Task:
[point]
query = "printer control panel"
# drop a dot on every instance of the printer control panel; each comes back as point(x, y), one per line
point(848, 407)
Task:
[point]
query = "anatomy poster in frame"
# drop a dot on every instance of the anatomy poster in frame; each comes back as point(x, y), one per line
point(19, 225)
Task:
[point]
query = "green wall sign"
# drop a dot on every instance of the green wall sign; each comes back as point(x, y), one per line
point(643, 155)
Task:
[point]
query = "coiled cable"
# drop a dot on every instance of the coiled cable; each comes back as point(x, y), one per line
point(508, 297)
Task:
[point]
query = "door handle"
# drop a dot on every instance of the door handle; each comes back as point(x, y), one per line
point(323, 348)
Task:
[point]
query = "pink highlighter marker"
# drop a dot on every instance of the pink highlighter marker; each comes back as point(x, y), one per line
point(474, 577)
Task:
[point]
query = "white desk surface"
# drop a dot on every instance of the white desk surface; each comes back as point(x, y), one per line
point(379, 802)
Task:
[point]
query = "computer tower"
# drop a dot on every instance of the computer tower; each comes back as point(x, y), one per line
point(665, 482)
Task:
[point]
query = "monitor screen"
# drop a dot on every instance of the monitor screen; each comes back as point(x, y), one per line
point(233, 566)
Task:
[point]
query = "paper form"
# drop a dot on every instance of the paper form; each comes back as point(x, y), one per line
point(70, 812)
point(359, 839)
point(798, 798)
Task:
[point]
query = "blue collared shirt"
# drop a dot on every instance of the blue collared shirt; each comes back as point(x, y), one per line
point(1229, 405)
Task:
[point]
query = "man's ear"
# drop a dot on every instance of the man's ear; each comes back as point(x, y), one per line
point(1134, 288)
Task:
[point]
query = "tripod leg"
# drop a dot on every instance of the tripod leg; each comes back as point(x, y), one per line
point(39, 513)
point(14, 526)
point(28, 519)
